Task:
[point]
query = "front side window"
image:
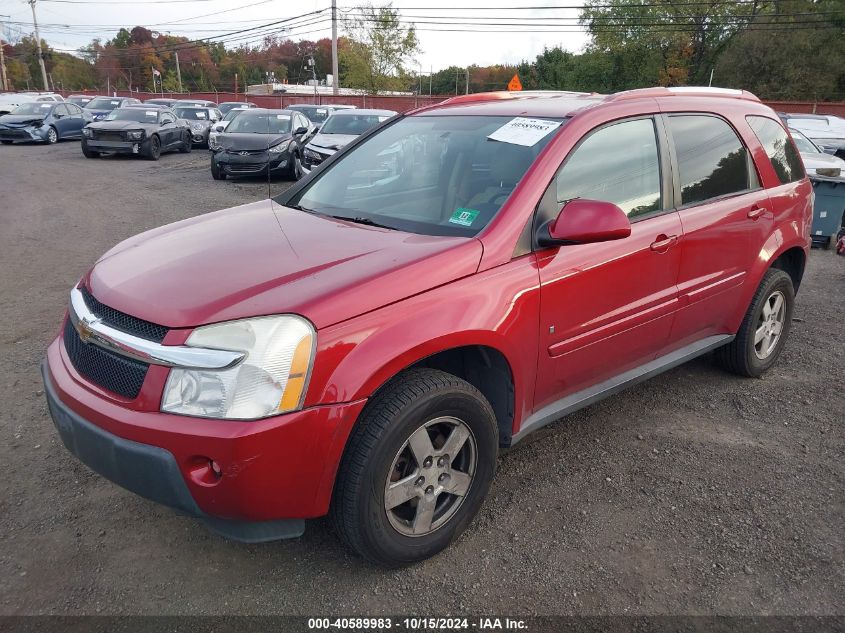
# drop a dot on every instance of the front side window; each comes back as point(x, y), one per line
point(779, 149)
point(434, 175)
point(712, 161)
point(619, 164)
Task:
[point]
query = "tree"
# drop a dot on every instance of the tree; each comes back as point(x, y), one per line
point(378, 50)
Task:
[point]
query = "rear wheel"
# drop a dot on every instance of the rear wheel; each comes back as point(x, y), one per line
point(216, 173)
point(764, 329)
point(416, 469)
point(52, 135)
point(89, 153)
point(154, 148)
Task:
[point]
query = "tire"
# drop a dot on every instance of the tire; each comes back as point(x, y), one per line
point(89, 153)
point(153, 148)
point(426, 407)
point(296, 168)
point(747, 356)
point(52, 136)
point(187, 146)
point(215, 171)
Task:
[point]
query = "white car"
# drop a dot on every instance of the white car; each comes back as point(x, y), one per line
point(12, 100)
point(218, 127)
point(825, 130)
point(816, 161)
point(341, 128)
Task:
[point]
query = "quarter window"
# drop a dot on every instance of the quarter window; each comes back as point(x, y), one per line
point(780, 150)
point(617, 164)
point(712, 161)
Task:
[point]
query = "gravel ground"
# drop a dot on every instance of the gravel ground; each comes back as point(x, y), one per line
point(695, 493)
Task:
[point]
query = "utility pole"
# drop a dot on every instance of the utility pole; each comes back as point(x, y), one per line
point(178, 71)
point(335, 77)
point(430, 73)
point(467, 90)
point(313, 72)
point(3, 82)
point(38, 43)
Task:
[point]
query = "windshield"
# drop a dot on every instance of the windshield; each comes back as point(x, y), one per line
point(804, 144)
point(260, 124)
point(435, 175)
point(315, 114)
point(225, 108)
point(352, 123)
point(103, 103)
point(193, 114)
point(41, 109)
point(133, 114)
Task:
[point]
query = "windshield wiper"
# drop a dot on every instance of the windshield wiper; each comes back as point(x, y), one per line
point(363, 220)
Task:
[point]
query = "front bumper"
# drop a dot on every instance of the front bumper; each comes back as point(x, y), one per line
point(118, 147)
point(275, 472)
point(252, 164)
point(24, 133)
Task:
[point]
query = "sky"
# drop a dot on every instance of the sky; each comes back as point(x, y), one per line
point(69, 24)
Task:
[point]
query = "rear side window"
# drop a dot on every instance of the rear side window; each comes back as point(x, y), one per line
point(619, 164)
point(712, 161)
point(780, 150)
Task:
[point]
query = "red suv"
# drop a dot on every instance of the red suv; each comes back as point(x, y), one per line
point(363, 344)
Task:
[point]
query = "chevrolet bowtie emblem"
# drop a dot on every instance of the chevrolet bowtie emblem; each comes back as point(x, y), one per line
point(83, 328)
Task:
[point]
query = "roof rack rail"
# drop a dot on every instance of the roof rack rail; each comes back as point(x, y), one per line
point(476, 97)
point(685, 91)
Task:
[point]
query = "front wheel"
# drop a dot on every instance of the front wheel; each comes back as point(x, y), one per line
point(187, 146)
point(52, 136)
point(296, 171)
point(89, 153)
point(416, 469)
point(216, 172)
point(154, 148)
point(764, 329)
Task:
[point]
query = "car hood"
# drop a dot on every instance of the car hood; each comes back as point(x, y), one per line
point(120, 125)
point(17, 120)
point(263, 258)
point(811, 161)
point(247, 141)
point(332, 142)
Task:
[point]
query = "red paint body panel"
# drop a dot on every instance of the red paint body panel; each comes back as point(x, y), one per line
point(563, 318)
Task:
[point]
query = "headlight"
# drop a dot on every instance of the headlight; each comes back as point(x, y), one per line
point(281, 147)
point(86, 132)
point(830, 172)
point(271, 379)
point(135, 135)
point(313, 156)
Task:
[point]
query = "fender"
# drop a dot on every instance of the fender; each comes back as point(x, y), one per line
point(498, 308)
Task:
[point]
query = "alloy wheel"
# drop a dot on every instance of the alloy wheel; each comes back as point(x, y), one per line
point(769, 325)
point(430, 476)
point(52, 136)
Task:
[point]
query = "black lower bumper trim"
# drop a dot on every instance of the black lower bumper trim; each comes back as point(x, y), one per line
point(149, 471)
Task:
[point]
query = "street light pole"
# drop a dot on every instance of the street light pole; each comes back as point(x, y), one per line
point(3, 82)
point(38, 44)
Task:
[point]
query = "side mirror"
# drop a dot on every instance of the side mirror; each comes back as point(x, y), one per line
point(300, 130)
point(585, 222)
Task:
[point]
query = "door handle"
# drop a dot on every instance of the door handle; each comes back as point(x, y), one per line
point(663, 243)
point(756, 213)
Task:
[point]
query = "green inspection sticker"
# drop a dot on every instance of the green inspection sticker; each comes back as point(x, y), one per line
point(464, 217)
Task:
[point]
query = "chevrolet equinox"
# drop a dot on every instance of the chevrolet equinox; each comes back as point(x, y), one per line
point(363, 344)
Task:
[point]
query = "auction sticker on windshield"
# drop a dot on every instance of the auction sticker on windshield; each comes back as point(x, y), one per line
point(522, 131)
point(464, 217)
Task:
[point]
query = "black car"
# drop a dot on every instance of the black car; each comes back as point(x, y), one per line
point(147, 132)
point(226, 106)
point(259, 141)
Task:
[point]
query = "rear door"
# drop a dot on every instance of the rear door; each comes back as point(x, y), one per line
point(608, 307)
point(723, 210)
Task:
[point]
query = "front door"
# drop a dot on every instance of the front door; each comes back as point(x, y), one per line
point(608, 307)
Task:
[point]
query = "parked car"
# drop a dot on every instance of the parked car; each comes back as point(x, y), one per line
point(226, 106)
point(162, 101)
point(199, 120)
point(317, 114)
point(260, 141)
point(12, 100)
point(816, 161)
point(99, 107)
point(141, 131)
point(341, 128)
point(364, 343)
point(80, 100)
point(221, 125)
point(194, 103)
point(826, 131)
point(45, 121)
